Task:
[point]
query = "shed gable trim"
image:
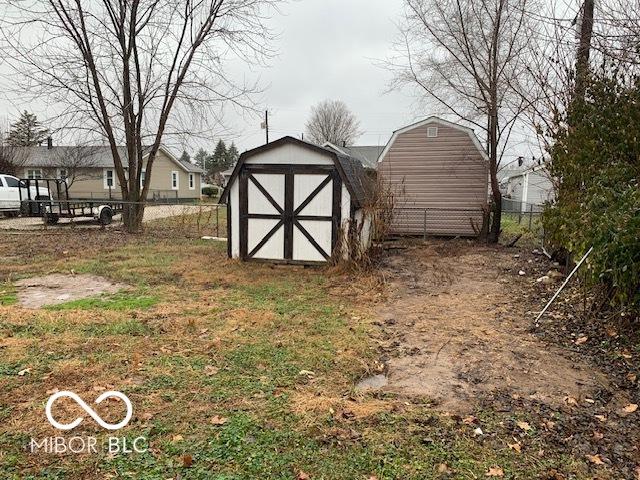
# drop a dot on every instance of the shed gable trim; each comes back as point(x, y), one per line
point(224, 198)
point(428, 121)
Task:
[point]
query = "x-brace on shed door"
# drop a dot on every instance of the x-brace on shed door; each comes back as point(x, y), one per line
point(289, 213)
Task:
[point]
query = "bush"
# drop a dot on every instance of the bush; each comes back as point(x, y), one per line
point(596, 160)
point(210, 191)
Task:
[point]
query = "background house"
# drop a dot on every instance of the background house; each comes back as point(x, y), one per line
point(90, 172)
point(526, 190)
point(438, 174)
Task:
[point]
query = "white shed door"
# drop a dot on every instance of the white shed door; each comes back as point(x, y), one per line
point(289, 213)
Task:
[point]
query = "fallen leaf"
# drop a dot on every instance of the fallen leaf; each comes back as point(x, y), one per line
point(306, 373)
point(572, 402)
point(218, 420)
point(495, 472)
point(516, 447)
point(444, 468)
point(602, 418)
point(469, 420)
point(598, 435)
point(477, 432)
point(632, 377)
point(524, 426)
point(302, 475)
point(581, 340)
point(595, 459)
point(177, 438)
point(22, 373)
point(638, 473)
point(210, 370)
point(632, 407)
point(187, 460)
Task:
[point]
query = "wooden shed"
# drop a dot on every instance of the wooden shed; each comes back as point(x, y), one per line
point(439, 175)
point(290, 201)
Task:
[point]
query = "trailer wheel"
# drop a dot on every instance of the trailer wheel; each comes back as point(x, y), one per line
point(51, 219)
point(106, 215)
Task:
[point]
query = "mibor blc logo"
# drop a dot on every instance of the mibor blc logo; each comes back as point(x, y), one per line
point(89, 410)
point(88, 444)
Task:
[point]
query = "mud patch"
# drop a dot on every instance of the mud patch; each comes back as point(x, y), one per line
point(38, 292)
point(454, 332)
point(375, 382)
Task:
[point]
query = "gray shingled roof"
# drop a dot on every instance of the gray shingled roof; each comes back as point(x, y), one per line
point(92, 156)
point(357, 178)
point(368, 155)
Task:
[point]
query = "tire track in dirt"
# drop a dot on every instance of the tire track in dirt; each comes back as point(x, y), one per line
point(454, 332)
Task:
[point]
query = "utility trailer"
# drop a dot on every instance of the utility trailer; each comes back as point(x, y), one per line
point(58, 205)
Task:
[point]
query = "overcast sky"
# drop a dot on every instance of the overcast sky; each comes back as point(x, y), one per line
point(328, 49)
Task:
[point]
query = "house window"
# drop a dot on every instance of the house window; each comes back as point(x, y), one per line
point(109, 178)
point(192, 181)
point(432, 132)
point(143, 177)
point(174, 180)
point(34, 174)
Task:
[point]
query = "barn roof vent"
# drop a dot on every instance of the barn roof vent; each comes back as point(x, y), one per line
point(432, 132)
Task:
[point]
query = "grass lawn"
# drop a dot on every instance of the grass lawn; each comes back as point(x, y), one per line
point(235, 371)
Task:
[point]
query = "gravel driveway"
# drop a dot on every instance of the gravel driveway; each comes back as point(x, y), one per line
point(154, 212)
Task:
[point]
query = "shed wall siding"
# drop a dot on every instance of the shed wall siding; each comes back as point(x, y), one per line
point(290, 154)
point(446, 173)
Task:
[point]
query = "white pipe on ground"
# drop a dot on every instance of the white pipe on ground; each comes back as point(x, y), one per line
point(573, 272)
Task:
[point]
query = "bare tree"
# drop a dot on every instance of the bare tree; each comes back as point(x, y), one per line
point(134, 71)
point(78, 162)
point(465, 55)
point(12, 158)
point(332, 121)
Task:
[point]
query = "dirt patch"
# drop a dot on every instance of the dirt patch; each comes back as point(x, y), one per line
point(37, 292)
point(454, 331)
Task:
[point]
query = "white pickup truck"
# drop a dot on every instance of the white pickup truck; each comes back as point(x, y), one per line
point(12, 190)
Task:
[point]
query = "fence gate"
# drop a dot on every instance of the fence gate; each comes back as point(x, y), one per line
point(289, 213)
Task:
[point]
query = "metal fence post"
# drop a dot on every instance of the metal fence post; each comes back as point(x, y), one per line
point(530, 215)
point(217, 221)
point(424, 236)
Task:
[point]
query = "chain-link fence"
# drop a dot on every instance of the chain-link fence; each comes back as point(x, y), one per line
point(527, 214)
point(195, 219)
point(437, 221)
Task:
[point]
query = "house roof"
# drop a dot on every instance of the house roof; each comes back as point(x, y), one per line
point(438, 120)
point(507, 174)
point(366, 154)
point(98, 156)
point(351, 170)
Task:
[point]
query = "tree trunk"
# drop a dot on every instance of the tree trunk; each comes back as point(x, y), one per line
point(494, 231)
point(496, 220)
point(133, 212)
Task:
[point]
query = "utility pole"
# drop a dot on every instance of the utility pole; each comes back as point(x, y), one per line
point(584, 47)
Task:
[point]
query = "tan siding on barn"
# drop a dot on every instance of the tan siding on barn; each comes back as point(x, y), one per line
point(446, 175)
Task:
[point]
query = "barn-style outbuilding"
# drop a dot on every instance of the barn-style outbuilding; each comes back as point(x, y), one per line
point(290, 201)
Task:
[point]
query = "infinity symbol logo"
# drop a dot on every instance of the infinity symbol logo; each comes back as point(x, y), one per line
point(89, 410)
